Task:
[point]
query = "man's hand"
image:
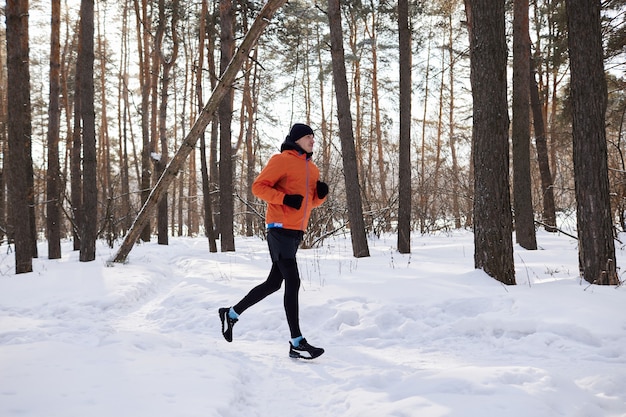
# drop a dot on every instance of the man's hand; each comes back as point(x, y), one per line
point(322, 189)
point(293, 200)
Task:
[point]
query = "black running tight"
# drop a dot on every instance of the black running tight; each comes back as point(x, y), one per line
point(287, 270)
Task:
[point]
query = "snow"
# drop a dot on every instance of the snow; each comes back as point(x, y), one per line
point(405, 335)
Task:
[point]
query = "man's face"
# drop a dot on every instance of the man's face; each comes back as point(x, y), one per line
point(306, 143)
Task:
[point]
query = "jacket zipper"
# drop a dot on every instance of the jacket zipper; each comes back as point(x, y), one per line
point(306, 193)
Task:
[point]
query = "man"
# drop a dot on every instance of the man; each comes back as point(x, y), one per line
point(290, 185)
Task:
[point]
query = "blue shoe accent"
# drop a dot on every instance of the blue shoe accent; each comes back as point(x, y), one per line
point(296, 342)
point(233, 314)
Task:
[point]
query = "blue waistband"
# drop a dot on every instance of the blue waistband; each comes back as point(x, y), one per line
point(274, 225)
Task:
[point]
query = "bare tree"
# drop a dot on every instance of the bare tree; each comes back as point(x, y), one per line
point(596, 248)
point(355, 209)
point(53, 216)
point(124, 124)
point(213, 164)
point(227, 48)
point(456, 210)
point(421, 179)
point(522, 196)
point(376, 120)
point(493, 242)
point(3, 139)
point(228, 77)
point(103, 154)
point(143, 46)
point(84, 66)
point(167, 62)
point(209, 229)
point(76, 180)
point(541, 144)
point(404, 169)
point(19, 132)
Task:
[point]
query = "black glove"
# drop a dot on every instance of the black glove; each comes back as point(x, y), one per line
point(322, 189)
point(293, 200)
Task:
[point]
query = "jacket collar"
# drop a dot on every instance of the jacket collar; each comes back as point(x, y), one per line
point(286, 146)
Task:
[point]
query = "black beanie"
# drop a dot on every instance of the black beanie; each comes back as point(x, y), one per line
point(297, 131)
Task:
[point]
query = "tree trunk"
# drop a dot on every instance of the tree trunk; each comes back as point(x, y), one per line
point(522, 196)
point(124, 124)
point(227, 238)
point(228, 77)
point(493, 243)
point(321, 77)
point(436, 202)
point(541, 143)
point(53, 217)
point(84, 65)
point(104, 143)
point(19, 131)
point(3, 146)
point(143, 46)
point(167, 63)
point(355, 209)
point(76, 175)
point(421, 180)
point(72, 141)
point(251, 110)
point(376, 121)
point(214, 135)
point(209, 229)
point(596, 248)
point(404, 169)
point(456, 210)
point(355, 94)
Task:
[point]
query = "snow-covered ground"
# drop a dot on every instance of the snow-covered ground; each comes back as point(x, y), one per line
point(405, 335)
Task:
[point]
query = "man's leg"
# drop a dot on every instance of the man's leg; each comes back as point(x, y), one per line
point(289, 271)
point(271, 285)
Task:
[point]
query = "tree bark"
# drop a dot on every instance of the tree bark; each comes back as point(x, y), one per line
point(209, 229)
point(596, 248)
point(143, 46)
point(404, 169)
point(76, 175)
point(493, 243)
point(214, 174)
point(228, 77)
point(251, 105)
point(355, 209)
point(376, 120)
point(53, 216)
point(84, 65)
point(227, 46)
point(522, 196)
point(325, 147)
point(3, 146)
point(421, 180)
point(456, 210)
point(19, 131)
point(541, 143)
point(124, 123)
point(167, 63)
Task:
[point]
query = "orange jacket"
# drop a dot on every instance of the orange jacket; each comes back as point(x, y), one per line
point(289, 172)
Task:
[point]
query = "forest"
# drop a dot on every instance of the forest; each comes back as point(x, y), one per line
point(143, 119)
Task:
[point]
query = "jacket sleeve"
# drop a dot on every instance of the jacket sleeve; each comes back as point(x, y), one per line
point(318, 201)
point(264, 185)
